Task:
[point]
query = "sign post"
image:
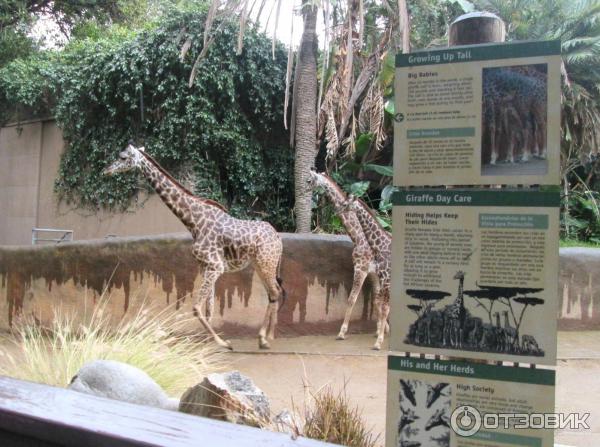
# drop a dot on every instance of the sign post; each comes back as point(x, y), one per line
point(475, 271)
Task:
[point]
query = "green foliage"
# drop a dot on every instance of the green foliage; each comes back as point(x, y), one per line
point(565, 243)
point(430, 20)
point(25, 85)
point(582, 222)
point(225, 132)
point(65, 12)
point(14, 43)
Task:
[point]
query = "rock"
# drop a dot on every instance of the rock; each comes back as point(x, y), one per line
point(120, 381)
point(229, 397)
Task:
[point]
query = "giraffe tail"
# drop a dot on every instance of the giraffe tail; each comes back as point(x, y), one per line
point(280, 282)
point(283, 292)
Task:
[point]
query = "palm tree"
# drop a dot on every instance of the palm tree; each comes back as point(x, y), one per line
point(305, 123)
point(328, 108)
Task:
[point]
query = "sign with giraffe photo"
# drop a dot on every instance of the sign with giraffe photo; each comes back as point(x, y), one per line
point(443, 403)
point(475, 274)
point(478, 115)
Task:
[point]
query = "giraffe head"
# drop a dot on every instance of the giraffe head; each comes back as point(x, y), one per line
point(459, 275)
point(314, 180)
point(129, 158)
point(350, 204)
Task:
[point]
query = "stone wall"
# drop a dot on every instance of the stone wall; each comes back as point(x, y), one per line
point(579, 291)
point(316, 270)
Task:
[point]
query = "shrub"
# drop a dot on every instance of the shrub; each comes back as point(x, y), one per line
point(224, 133)
point(151, 342)
point(332, 418)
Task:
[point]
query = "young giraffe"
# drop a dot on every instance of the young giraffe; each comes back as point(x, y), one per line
point(363, 258)
point(380, 242)
point(221, 244)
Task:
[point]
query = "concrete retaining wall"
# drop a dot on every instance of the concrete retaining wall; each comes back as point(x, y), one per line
point(579, 291)
point(316, 270)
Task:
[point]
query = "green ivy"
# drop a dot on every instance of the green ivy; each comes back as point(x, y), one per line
point(226, 129)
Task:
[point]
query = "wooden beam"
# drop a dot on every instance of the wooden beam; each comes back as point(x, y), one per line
point(36, 415)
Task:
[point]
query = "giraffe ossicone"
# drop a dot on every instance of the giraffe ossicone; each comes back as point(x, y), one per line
point(221, 243)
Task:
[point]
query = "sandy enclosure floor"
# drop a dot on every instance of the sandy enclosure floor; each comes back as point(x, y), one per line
point(351, 365)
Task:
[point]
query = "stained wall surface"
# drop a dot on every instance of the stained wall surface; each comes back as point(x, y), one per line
point(161, 272)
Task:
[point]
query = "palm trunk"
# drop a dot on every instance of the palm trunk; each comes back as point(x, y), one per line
point(306, 118)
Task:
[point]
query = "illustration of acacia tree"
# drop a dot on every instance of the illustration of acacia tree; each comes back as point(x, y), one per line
point(505, 295)
point(416, 308)
point(485, 294)
point(526, 301)
point(427, 299)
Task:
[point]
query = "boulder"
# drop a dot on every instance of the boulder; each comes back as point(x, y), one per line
point(120, 381)
point(230, 397)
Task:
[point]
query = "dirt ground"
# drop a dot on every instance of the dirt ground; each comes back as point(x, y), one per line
point(352, 365)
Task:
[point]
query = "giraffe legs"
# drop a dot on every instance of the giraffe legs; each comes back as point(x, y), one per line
point(268, 274)
point(384, 311)
point(376, 294)
point(205, 296)
point(360, 273)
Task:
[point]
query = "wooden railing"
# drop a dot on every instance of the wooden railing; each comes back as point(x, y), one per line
point(35, 415)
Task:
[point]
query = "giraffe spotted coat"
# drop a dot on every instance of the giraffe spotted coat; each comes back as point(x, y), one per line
point(221, 243)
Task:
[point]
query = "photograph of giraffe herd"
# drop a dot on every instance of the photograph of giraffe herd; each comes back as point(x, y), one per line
point(424, 413)
point(453, 326)
point(514, 120)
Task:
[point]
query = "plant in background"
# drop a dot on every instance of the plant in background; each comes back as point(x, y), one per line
point(224, 133)
point(152, 342)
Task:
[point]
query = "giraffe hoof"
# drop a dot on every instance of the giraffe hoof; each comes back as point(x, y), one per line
point(228, 345)
point(340, 337)
point(376, 348)
point(264, 345)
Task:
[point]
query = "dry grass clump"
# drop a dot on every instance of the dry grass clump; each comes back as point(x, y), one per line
point(332, 418)
point(149, 341)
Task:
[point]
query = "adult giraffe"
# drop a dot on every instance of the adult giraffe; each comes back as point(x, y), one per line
point(363, 258)
point(454, 316)
point(221, 244)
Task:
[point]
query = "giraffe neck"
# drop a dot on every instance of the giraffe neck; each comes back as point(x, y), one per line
point(332, 191)
point(459, 298)
point(177, 198)
point(378, 238)
point(337, 197)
